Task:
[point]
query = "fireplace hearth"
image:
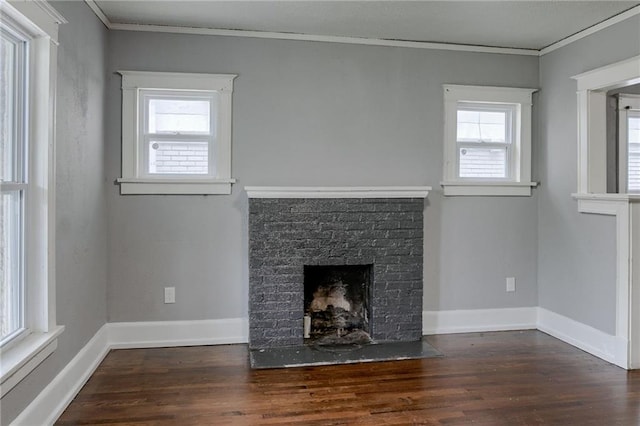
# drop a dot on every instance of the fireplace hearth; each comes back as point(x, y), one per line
point(335, 267)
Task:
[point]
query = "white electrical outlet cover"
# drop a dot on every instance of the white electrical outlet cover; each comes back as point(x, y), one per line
point(169, 295)
point(511, 284)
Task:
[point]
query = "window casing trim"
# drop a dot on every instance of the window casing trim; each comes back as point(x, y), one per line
point(134, 181)
point(519, 181)
point(591, 96)
point(38, 21)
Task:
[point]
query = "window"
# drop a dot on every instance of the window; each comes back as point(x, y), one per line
point(15, 187)
point(629, 143)
point(28, 330)
point(633, 150)
point(487, 141)
point(176, 133)
point(484, 135)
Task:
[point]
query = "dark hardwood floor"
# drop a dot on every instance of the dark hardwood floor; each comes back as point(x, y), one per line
point(506, 378)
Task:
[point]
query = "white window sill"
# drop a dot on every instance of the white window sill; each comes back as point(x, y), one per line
point(604, 204)
point(488, 189)
point(21, 359)
point(607, 197)
point(141, 186)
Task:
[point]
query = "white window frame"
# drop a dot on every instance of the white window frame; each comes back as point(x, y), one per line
point(20, 181)
point(38, 22)
point(134, 178)
point(633, 104)
point(145, 136)
point(518, 182)
point(510, 111)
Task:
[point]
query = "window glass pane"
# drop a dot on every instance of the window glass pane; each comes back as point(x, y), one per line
point(633, 164)
point(634, 129)
point(179, 116)
point(10, 50)
point(10, 263)
point(468, 132)
point(482, 126)
point(179, 157)
point(483, 162)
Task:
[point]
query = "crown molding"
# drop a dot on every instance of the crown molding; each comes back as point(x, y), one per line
point(324, 38)
point(51, 11)
point(363, 41)
point(304, 37)
point(99, 13)
point(591, 30)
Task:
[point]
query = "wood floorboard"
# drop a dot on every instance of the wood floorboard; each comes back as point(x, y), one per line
point(493, 379)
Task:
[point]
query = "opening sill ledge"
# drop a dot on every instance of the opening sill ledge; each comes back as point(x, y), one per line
point(23, 357)
point(141, 186)
point(488, 189)
point(606, 204)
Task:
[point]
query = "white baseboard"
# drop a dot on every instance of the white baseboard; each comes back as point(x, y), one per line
point(52, 401)
point(610, 348)
point(475, 320)
point(153, 334)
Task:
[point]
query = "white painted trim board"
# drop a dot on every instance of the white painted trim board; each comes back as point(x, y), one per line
point(477, 320)
point(53, 400)
point(366, 41)
point(591, 30)
point(58, 394)
point(596, 342)
point(156, 334)
point(592, 199)
point(337, 191)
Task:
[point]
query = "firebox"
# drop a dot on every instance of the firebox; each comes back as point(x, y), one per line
point(336, 304)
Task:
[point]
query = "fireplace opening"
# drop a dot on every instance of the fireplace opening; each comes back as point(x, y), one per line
point(336, 304)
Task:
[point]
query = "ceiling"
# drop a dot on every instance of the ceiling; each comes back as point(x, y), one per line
point(508, 24)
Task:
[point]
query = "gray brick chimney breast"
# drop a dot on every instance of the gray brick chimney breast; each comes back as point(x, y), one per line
point(287, 233)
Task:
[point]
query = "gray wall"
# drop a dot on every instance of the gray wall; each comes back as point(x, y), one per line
point(576, 252)
point(81, 223)
point(309, 113)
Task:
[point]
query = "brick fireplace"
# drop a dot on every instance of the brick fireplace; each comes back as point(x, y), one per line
point(296, 229)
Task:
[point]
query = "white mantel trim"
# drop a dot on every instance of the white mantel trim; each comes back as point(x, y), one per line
point(337, 191)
